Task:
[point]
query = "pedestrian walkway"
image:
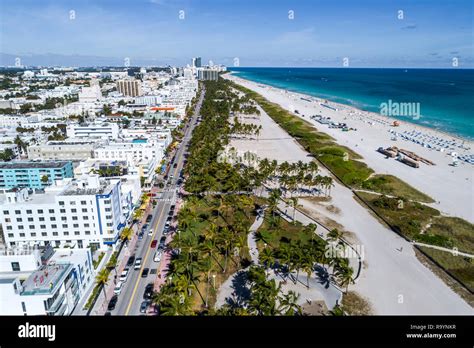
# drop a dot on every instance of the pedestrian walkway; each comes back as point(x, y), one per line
point(251, 240)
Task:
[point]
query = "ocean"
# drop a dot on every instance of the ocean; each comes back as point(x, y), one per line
point(444, 97)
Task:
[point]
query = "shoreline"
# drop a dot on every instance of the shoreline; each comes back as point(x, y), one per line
point(449, 186)
point(341, 106)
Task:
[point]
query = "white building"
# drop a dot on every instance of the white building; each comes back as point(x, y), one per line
point(90, 94)
point(43, 282)
point(75, 212)
point(67, 150)
point(103, 130)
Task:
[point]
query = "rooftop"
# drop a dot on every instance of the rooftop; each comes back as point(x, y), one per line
point(45, 279)
point(32, 164)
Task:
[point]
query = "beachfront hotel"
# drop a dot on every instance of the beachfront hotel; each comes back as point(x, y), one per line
point(83, 212)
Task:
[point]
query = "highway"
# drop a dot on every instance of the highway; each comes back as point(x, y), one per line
point(131, 296)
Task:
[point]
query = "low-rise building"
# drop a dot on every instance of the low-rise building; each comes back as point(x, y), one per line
point(43, 281)
point(103, 130)
point(30, 174)
point(72, 150)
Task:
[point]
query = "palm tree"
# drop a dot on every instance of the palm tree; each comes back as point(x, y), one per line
point(334, 235)
point(307, 266)
point(266, 258)
point(126, 234)
point(102, 279)
point(294, 204)
point(344, 275)
point(288, 303)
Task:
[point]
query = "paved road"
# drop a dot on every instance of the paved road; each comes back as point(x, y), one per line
point(131, 296)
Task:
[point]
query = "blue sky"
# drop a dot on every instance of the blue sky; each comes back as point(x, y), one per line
point(259, 32)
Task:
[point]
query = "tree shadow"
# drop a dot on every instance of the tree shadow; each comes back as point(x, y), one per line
point(241, 294)
point(322, 276)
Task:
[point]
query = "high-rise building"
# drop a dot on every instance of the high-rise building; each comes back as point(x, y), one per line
point(129, 88)
point(197, 62)
point(208, 74)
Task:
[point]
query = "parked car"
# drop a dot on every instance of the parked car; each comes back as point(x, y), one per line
point(145, 272)
point(107, 313)
point(130, 261)
point(144, 306)
point(172, 207)
point(148, 291)
point(138, 263)
point(150, 232)
point(175, 165)
point(149, 218)
point(118, 288)
point(124, 275)
point(162, 242)
point(112, 303)
point(153, 243)
point(157, 257)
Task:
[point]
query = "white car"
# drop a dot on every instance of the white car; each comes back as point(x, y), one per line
point(124, 275)
point(150, 233)
point(118, 288)
point(157, 257)
point(138, 263)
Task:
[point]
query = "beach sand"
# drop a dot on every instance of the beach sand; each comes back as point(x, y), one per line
point(394, 281)
point(451, 187)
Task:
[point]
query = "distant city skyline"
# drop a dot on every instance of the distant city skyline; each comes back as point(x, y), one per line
point(367, 33)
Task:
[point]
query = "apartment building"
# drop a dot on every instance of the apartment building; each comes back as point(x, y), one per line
point(30, 173)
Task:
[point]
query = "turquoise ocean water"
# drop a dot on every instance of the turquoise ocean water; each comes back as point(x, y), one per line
point(445, 96)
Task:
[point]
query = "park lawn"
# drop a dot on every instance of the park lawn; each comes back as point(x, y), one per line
point(273, 236)
point(460, 232)
point(460, 267)
point(393, 186)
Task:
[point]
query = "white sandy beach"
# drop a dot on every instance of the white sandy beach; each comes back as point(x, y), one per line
point(451, 187)
point(394, 281)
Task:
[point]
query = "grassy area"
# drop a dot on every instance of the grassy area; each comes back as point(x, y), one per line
point(284, 232)
point(393, 186)
point(407, 217)
point(97, 262)
point(354, 304)
point(460, 267)
point(459, 232)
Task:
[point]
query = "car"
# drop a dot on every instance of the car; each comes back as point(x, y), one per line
point(153, 243)
point(140, 235)
point(112, 303)
point(124, 275)
point(138, 263)
point(144, 227)
point(179, 182)
point(169, 219)
point(150, 232)
point(145, 272)
point(157, 257)
point(107, 313)
point(167, 225)
point(131, 260)
point(144, 306)
point(170, 213)
point(175, 165)
point(171, 176)
point(148, 291)
point(118, 288)
point(148, 218)
point(173, 207)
